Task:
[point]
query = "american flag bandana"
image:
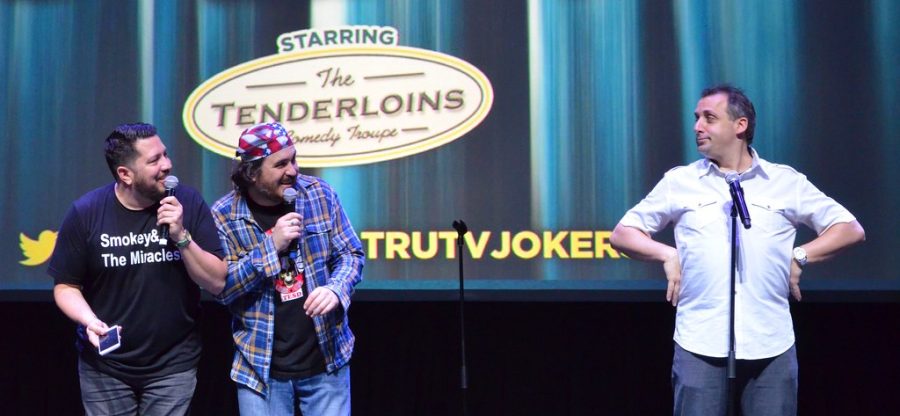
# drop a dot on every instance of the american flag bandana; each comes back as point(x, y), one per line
point(262, 140)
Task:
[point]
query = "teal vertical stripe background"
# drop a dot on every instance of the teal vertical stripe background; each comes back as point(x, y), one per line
point(586, 133)
point(750, 44)
point(371, 194)
point(593, 103)
point(886, 137)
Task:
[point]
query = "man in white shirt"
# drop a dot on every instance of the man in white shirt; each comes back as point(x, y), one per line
point(696, 200)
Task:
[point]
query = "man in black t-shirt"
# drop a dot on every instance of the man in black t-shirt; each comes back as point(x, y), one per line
point(112, 266)
point(293, 263)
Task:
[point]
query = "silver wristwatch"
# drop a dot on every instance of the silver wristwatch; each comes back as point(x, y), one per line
point(800, 256)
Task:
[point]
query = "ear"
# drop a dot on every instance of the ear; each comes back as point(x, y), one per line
point(126, 176)
point(740, 125)
point(256, 170)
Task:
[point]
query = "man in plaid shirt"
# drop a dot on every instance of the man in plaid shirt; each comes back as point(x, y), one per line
point(292, 268)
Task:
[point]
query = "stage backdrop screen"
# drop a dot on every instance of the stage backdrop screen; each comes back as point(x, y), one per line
point(577, 109)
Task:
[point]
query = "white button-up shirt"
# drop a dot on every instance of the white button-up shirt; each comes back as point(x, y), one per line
point(696, 200)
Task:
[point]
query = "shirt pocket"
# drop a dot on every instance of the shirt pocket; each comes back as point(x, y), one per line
point(769, 215)
point(317, 245)
point(699, 214)
point(320, 227)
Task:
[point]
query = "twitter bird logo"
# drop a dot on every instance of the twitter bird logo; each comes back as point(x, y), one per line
point(37, 251)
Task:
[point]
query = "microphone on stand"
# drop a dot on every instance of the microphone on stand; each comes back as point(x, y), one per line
point(290, 195)
point(460, 227)
point(171, 182)
point(738, 208)
point(737, 197)
point(461, 230)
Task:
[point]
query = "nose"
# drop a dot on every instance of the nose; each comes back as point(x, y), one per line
point(166, 163)
point(698, 125)
point(292, 169)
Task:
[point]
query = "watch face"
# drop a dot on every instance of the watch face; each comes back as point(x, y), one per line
point(800, 255)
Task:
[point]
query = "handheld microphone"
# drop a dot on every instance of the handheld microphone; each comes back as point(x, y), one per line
point(737, 197)
point(290, 195)
point(171, 182)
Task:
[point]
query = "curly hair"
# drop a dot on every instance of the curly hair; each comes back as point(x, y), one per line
point(243, 173)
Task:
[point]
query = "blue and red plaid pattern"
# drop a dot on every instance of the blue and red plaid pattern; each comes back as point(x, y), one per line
point(334, 259)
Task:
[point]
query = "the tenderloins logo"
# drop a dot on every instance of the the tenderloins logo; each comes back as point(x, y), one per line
point(349, 95)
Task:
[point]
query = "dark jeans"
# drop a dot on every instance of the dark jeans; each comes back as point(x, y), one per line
point(763, 387)
point(103, 394)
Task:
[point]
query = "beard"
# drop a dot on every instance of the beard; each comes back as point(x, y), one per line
point(150, 189)
point(271, 193)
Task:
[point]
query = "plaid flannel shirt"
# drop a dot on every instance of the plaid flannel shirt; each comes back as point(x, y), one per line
point(334, 259)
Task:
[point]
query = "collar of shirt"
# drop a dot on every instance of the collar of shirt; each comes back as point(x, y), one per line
point(757, 167)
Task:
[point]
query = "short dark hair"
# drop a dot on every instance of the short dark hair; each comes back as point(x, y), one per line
point(738, 106)
point(243, 173)
point(120, 144)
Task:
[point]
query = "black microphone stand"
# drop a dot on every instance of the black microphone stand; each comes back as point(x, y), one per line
point(738, 206)
point(462, 229)
point(732, 362)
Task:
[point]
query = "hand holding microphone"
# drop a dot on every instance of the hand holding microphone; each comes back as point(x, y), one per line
point(170, 183)
point(287, 229)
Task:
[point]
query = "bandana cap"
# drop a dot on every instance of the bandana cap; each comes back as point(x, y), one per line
point(262, 140)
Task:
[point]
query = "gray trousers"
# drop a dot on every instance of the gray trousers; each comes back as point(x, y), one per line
point(103, 394)
point(763, 387)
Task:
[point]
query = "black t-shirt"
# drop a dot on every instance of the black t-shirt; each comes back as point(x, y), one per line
point(129, 279)
point(296, 352)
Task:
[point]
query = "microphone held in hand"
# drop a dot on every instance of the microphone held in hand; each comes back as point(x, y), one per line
point(171, 182)
point(737, 197)
point(290, 195)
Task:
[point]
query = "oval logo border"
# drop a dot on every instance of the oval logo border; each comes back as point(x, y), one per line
point(454, 132)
